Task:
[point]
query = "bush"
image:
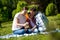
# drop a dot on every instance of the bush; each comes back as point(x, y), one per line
point(13, 13)
point(31, 6)
point(20, 5)
point(58, 17)
point(5, 14)
point(0, 14)
point(51, 9)
point(0, 18)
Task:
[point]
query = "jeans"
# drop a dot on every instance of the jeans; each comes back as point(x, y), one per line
point(20, 31)
point(41, 29)
point(30, 31)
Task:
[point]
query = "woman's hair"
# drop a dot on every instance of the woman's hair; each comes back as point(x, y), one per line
point(28, 12)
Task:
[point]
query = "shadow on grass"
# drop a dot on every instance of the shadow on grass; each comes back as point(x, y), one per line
point(3, 27)
point(55, 36)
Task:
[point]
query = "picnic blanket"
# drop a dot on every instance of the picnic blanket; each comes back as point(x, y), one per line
point(15, 35)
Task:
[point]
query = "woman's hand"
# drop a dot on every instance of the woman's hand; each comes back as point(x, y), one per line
point(25, 24)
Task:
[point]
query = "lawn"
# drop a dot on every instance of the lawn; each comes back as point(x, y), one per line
point(6, 29)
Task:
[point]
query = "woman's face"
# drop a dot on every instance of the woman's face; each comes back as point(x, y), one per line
point(24, 11)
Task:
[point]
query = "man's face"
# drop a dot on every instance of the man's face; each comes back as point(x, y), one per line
point(32, 13)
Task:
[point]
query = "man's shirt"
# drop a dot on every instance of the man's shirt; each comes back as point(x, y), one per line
point(41, 20)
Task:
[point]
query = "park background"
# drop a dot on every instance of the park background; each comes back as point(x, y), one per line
point(51, 8)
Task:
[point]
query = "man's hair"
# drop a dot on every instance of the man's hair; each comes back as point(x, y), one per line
point(25, 8)
point(33, 9)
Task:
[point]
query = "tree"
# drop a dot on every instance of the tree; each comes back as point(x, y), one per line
point(0, 17)
point(5, 14)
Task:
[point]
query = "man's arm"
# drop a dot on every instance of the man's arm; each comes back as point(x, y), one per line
point(33, 28)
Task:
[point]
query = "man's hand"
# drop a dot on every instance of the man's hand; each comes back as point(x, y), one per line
point(32, 30)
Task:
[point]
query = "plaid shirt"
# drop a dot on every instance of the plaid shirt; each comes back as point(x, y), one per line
point(41, 20)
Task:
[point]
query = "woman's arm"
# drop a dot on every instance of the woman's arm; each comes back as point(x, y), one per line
point(17, 22)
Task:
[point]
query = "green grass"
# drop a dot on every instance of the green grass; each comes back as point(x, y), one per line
point(53, 24)
point(6, 28)
point(52, 36)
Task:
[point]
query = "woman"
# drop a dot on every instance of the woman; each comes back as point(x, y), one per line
point(19, 22)
point(32, 21)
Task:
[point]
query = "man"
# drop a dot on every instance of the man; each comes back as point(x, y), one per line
point(19, 22)
point(37, 20)
point(41, 21)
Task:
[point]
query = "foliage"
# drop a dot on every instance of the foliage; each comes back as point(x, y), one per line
point(5, 14)
point(51, 9)
point(31, 6)
point(13, 13)
point(0, 14)
point(12, 4)
point(20, 5)
point(58, 20)
point(58, 16)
